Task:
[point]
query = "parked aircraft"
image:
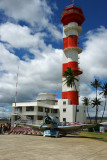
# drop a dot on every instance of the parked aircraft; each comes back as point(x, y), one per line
point(52, 127)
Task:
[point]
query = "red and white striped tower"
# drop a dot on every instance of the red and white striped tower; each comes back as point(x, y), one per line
point(72, 19)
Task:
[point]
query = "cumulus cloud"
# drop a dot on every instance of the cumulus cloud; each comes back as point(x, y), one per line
point(94, 56)
point(33, 11)
point(93, 62)
point(36, 12)
point(35, 76)
point(20, 36)
point(5, 112)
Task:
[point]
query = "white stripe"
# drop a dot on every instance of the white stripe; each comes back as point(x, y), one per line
point(70, 32)
point(70, 56)
point(79, 50)
point(71, 29)
point(65, 88)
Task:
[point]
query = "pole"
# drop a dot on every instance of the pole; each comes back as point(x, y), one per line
point(16, 86)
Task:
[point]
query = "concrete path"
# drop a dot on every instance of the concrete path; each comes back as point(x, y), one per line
point(31, 147)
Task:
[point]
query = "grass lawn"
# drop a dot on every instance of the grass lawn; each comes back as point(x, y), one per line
point(92, 135)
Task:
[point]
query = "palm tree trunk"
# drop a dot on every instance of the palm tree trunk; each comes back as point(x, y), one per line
point(103, 110)
point(88, 114)
point(96, 108)
point(96, 113)
point(76, 105)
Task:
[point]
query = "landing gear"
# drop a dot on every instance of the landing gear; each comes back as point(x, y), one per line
point(51, 133)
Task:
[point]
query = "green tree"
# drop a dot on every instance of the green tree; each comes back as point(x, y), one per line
point(96, 84)
point(86, 102)
point(70, 79)
point(96, 102)
point(104, 93)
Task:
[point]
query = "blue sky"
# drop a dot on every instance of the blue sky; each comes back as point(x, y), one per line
point(31, 38)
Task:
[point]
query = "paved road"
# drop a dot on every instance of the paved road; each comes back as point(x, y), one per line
point(31, 147)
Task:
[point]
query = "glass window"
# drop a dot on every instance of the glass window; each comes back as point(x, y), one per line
point(55, 111)
point(40, 117)
point(19, 109)
point(64, 102)
point(77, 110)
point(30, 117)
point(64, 109)
point(64, 119)
point(47, 109)
point(40, 109)
point(31, 108)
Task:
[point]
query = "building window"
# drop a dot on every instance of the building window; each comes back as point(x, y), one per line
point(64, 102)
point(40, 117)
point(47, 109)
point(30, 117)
point(18, 109)
point(64, 119)
point(51, 110)
point(40, 109)
point(17, 118)
point(31, 108)
point(55, 111)
point(77, 110)
point(64, 109)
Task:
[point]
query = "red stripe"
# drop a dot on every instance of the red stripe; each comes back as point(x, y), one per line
point(72, 14)
point(73, 65)
point(72, 95)
point(71, 41)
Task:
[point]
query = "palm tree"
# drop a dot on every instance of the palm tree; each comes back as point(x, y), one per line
point(104, 92)
point(86, 102)
point(96, 102)
point(96, 84)
point(70, 79)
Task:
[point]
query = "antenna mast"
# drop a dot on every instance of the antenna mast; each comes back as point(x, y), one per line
point(16, 85)
point(72, 2)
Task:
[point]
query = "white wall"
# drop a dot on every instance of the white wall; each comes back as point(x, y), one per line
point(70, 112)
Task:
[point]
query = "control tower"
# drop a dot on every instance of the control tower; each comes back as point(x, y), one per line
point(72, 19)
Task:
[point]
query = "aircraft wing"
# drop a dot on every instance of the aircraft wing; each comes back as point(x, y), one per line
point(35, 127)
point(74, 127)
point(59, 128)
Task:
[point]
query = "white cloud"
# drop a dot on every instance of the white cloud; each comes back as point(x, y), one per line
point(36, 12)
point(93, 59)
point(35, 76)
point(20, 37)
point(5, 112)
point(33, 11)
point(93, 62)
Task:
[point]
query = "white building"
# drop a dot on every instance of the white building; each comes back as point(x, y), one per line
point(36, 111)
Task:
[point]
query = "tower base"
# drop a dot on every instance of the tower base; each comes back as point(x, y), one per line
point(68, 112)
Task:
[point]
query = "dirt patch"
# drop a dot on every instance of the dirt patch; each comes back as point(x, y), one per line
point(31, 147)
